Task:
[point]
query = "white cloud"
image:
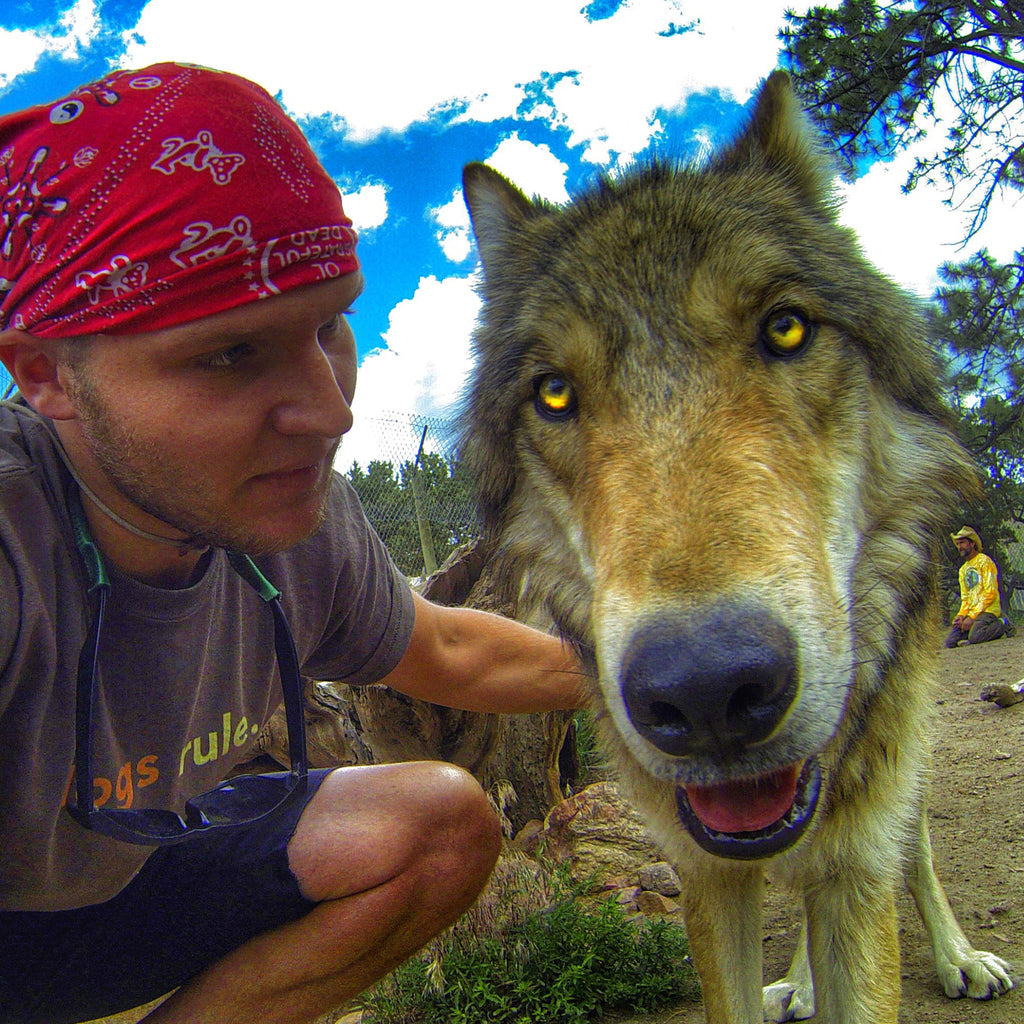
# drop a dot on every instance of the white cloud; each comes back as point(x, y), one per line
point(473, 56)
point(532, 167)
point(20, 50)
point(422, 367)
point(19, 53)
point(908, 235)
point(367, 207)
point(78, 27)
point(453, 228)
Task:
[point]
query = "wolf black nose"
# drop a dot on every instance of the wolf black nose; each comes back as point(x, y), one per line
point(712, 682)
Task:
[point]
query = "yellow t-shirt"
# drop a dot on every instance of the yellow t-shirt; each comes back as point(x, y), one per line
point(979, 587)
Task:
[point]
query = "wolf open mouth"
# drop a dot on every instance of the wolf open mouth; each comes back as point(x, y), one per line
point(750, 818)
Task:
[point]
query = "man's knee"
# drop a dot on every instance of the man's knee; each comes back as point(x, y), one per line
point(368, 826)
point(453, 807)
point(461, 829)
point(986, 627)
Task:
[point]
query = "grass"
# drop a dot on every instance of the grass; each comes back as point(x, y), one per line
point(592, 763)
point(535, 950)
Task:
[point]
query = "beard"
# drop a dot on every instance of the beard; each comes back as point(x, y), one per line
point(165, 484)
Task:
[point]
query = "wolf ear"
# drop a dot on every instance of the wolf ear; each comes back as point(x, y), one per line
point(781, 139)
point(496, 208)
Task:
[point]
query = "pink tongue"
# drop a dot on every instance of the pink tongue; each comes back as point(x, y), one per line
point(745, 805)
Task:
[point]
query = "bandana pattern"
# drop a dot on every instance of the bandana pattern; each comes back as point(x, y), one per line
point(155, 197)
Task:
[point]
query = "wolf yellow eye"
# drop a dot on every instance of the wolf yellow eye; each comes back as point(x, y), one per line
point(554, 397)
point(785, 332)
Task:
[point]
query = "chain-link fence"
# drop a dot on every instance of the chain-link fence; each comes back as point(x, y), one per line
point(413, 489)
point(1010, 560)
point(417, 498)
point(421, 504)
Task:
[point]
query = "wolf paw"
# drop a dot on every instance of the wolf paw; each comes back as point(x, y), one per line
point(784, 1001)
point(1004, 695)
point(975, 974)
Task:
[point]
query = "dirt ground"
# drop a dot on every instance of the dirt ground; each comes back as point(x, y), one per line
point(977, 827)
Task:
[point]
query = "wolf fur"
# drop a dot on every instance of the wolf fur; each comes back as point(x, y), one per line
point(711, 446)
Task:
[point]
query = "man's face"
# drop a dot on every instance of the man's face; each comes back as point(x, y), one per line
point(966, 547)
point(225, 428)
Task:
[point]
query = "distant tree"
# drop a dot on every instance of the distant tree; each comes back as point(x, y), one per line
point(879, 76)
point(389, 509)
point(448, 498)
point(979, 319)
point(390, 505)
point(980, 315)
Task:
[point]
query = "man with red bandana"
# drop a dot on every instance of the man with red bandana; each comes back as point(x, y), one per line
point(175, 549)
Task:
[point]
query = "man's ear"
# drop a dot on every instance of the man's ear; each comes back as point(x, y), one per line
point(36, 368)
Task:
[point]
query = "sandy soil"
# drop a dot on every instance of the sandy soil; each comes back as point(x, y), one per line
point(977, 826)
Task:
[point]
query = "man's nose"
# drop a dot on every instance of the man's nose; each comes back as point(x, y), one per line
point(313, 402)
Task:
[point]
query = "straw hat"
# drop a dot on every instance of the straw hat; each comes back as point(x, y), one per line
point(970, 533)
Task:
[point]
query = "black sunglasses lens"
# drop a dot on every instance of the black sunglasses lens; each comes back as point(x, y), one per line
point(241, 799)
point(238, 801)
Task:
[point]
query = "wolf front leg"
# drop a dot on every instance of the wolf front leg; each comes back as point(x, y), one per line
point(723, 909)
point(792, 997)
point(962, 969)
point(853, 944)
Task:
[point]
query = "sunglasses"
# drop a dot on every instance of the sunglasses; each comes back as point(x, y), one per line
point(241, 800)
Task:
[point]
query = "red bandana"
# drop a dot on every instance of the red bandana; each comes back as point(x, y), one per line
point(155, 197)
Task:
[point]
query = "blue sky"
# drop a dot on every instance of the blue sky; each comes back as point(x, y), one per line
point(397, 95)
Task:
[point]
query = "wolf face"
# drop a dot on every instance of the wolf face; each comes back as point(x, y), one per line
point(711, 446)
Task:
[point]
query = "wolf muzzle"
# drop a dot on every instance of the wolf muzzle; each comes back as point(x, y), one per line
point(712, 683)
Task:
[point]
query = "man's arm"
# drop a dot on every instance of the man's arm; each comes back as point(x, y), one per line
point(476, 661)
point(964, 599)
point(988, 599)
point(985, 596)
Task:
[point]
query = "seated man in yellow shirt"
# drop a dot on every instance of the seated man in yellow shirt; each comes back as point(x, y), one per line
point(980, 616)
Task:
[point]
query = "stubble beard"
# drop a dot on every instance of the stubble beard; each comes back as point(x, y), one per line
point(170, 493)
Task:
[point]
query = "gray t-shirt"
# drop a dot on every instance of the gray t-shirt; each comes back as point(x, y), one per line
point(187, 678)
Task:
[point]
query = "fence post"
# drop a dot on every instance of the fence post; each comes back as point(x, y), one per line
point(426, 540)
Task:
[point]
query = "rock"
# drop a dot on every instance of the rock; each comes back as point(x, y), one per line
point(660, 878)
point(614, 884)
point(528, 838)
point(599, 835)
point(651, 903)
point(1003, 694)
point(629, 895)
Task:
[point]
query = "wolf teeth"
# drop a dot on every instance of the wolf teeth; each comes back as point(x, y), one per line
point(766, 842)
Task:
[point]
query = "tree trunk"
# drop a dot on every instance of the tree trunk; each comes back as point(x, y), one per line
point(527, 762)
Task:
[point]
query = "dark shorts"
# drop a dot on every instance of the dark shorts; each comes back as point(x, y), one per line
point(189, 906)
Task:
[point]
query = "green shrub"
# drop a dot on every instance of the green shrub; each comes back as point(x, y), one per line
point(561, 963)
point(592, 764)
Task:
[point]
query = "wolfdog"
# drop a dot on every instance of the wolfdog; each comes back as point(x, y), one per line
point(711, 446)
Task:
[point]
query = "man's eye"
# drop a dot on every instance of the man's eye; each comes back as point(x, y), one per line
point(226, 358)
point(326, 331)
